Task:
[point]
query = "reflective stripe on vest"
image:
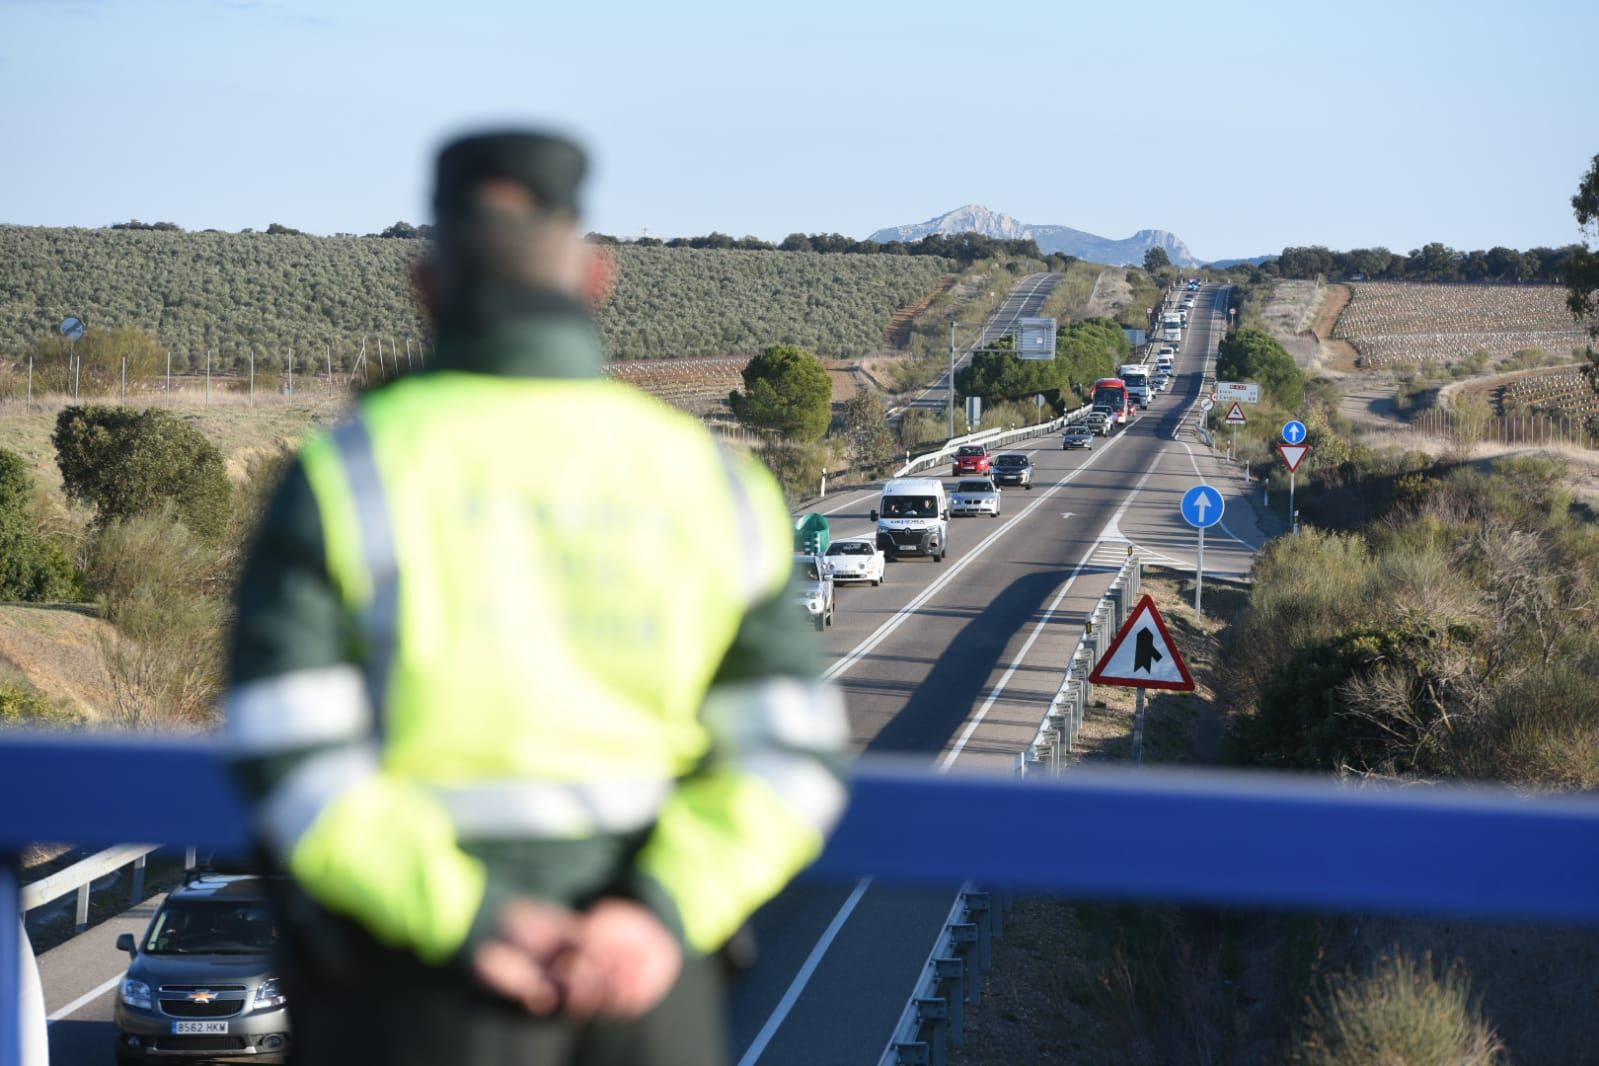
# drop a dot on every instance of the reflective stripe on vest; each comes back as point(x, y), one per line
point(550, 809)
point(303, 709)
point(380, 619)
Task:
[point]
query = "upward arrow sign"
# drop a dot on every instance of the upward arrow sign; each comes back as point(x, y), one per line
point(1202, 505)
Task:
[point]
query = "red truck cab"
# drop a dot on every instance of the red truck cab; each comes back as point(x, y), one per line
point(972, 459)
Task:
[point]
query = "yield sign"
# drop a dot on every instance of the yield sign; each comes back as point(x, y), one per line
point(1143, 655)
point(1235, 417)
point(1293, 455)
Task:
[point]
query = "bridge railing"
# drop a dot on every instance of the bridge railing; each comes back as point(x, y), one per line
point(1203, 836)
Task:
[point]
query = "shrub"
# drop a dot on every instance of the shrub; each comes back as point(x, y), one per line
point(31, 568)
point(1400, 1014)
point(124, 463)
point(786, 391)
point(159, 585)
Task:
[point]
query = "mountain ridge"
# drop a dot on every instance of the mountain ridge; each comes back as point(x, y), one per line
point(976, 218)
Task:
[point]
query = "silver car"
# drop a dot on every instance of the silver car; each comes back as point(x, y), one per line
point(813, 589)
point(201, 984)
point(975, 496)
point(1078, 435)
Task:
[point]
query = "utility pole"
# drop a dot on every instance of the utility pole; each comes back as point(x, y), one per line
point(952, 379)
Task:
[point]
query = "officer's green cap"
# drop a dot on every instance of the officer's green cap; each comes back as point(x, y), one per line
point(551, 167)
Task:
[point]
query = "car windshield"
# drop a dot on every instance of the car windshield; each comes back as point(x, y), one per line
point(909, 506)
point(805, 570)
point(971, 449)
point(1011, 460)
point(212, 927)
point(975, 486)
point(850, 547)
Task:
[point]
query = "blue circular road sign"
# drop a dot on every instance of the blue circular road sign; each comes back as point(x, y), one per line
point(1202, 506)
point(1294, 432)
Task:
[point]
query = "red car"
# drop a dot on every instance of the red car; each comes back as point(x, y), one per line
point(972, 459)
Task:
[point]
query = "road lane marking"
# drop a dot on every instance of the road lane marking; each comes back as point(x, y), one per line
point(796, 987)
point(84, 1000)
point(1021, 657)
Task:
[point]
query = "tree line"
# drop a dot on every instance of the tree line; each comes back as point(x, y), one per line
point(1431, 262)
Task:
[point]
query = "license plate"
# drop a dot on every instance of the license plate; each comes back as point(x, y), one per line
point(197, 1028)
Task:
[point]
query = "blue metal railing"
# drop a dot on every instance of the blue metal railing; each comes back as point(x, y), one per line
point(1188, 836)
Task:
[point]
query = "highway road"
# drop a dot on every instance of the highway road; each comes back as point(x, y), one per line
point(954, 661)
point(1025, 300)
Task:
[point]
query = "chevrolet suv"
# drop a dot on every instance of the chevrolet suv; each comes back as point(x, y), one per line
point(201, 983)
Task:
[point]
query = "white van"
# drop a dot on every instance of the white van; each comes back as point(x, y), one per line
point(912, 518)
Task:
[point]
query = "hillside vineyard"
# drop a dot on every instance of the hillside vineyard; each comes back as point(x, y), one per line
point(229, 292)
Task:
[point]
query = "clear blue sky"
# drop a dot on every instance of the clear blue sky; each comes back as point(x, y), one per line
point(1240, 127)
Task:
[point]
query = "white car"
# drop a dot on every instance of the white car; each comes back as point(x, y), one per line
point(856, 559)
point(975, 496)
point(813, 589)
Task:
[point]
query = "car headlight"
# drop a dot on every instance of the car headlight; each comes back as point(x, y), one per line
point(136, 994)
point(269, 994)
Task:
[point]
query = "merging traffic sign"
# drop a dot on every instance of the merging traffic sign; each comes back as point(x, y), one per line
point(1293, 455)
point(1202, 506)
point(1294, 431)
point(1143, 655)
point(1235, 417)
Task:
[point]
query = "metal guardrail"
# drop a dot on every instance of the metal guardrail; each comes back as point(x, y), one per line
point(989, 436)
point(952, 978)
point(81, 875)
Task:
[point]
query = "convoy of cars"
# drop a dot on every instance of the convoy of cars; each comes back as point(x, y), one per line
point(912, 515)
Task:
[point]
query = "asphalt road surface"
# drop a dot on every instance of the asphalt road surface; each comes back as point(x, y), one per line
point(954, 661)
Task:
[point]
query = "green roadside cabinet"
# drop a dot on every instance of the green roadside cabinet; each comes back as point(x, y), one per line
point(811, 534)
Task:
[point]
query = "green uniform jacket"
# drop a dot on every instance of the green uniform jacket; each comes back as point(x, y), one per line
point(577, 673)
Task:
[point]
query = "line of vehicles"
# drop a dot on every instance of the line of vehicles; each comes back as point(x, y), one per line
point(912, 514)
point(912, 518)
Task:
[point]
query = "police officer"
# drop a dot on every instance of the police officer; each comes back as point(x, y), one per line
point(526, 715)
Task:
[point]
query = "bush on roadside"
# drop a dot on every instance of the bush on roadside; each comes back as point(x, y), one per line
point(1400, 1014)
point(160, 585)
point(31, 568)
point(126, 462)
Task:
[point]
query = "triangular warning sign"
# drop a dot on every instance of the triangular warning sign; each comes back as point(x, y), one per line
point(1235, 417)
point(1143, 655)
point(1293, 455)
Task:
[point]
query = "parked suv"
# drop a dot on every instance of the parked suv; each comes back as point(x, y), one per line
point(201, 983)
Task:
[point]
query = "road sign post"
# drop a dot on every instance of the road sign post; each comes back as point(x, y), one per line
point(1293, 454)
point(1142, 655)
point(1202, 507)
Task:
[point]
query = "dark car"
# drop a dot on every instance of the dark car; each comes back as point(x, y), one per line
point(201, 984)
point(1012, 468)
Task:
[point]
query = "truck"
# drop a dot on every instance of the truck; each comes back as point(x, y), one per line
point(1171, 327)
point(1136, 378)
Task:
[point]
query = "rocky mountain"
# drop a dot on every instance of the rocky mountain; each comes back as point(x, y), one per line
point(975, 218)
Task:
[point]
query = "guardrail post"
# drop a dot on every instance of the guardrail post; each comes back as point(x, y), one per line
point(932, 1014)
point(82, 917)
point(136, 890)
point(951, 975)
point(188, 857)
point(913, 1054)
point(977, 907)
point(963, 935)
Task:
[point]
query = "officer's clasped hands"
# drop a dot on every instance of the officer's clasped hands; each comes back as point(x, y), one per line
point(613, 960)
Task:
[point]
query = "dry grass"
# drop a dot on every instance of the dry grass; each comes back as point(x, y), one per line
point(1401, 1013)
